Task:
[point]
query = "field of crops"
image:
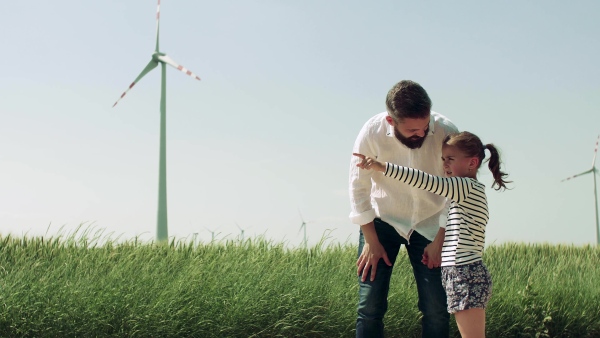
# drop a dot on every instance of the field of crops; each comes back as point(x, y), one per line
point(76, 287)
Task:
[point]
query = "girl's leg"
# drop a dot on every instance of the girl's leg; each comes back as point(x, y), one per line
point(471, 323)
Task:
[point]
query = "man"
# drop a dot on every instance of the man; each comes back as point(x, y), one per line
point(391, 214)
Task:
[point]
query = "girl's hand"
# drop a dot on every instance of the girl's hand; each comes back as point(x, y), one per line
point(369, 163)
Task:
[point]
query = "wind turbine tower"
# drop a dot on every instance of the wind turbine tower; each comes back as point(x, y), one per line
point(593, 171)
point(162, 232)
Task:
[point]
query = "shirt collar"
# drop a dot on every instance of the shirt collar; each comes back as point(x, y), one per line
point(390, 128)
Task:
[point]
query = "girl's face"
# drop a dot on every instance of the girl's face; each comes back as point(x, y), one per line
point(456, 164)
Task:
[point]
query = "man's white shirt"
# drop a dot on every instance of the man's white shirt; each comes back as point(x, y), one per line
point(404, 207)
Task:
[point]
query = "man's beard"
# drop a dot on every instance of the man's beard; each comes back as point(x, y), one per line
point(412, 142)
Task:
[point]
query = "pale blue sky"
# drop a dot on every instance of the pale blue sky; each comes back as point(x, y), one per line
point(286, 86)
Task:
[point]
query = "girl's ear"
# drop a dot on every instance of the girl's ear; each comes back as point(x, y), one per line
point(474, 163)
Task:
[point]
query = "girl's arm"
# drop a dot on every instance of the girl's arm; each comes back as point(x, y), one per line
point(454, 188)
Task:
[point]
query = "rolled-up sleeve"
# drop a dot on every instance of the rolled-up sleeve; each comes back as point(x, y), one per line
point(362, 211)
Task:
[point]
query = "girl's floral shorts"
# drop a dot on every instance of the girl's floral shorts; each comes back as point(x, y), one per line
point(467, 286)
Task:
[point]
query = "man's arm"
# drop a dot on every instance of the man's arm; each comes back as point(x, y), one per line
point(362, 211)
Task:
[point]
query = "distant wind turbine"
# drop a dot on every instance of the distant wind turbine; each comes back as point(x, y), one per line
point(593, 171)
point(303, 227)
point(212, 234)
point(242, 232)
point(162, 232)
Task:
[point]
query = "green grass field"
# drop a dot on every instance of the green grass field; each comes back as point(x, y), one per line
point(75, 287)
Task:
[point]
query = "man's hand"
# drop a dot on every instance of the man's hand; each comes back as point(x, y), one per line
point(372, 252)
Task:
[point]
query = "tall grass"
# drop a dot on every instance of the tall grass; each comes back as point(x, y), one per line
point(76, 287)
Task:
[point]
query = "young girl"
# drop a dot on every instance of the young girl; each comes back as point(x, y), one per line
point(467, 282)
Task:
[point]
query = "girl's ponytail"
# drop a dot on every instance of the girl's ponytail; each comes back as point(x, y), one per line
point(494, 165)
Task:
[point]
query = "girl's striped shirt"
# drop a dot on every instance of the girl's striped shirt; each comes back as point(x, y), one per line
point(467, 216)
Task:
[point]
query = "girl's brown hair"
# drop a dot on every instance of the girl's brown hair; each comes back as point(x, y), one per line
point(472, 146)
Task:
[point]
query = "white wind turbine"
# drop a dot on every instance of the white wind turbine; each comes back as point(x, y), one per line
point(162, 232)
point(593, 171)
point(303, 227)
point(212, 234)
point(242, 231)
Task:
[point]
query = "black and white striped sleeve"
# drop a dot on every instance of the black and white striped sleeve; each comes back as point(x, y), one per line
point(453, 188)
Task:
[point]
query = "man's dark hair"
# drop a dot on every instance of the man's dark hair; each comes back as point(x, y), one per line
point(407, 99)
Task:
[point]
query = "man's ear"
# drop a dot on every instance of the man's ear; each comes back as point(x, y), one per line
point(389, 120)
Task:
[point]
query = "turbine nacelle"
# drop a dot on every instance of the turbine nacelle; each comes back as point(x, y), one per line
point(156, 56)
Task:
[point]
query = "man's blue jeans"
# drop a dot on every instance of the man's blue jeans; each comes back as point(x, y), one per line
point(373, 302)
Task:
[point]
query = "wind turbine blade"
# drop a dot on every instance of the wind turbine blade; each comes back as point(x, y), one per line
point(170, 61)
point(151, 65)
point(299, 213)
point(583, 173)
point(157, 24)
point(595, 152)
